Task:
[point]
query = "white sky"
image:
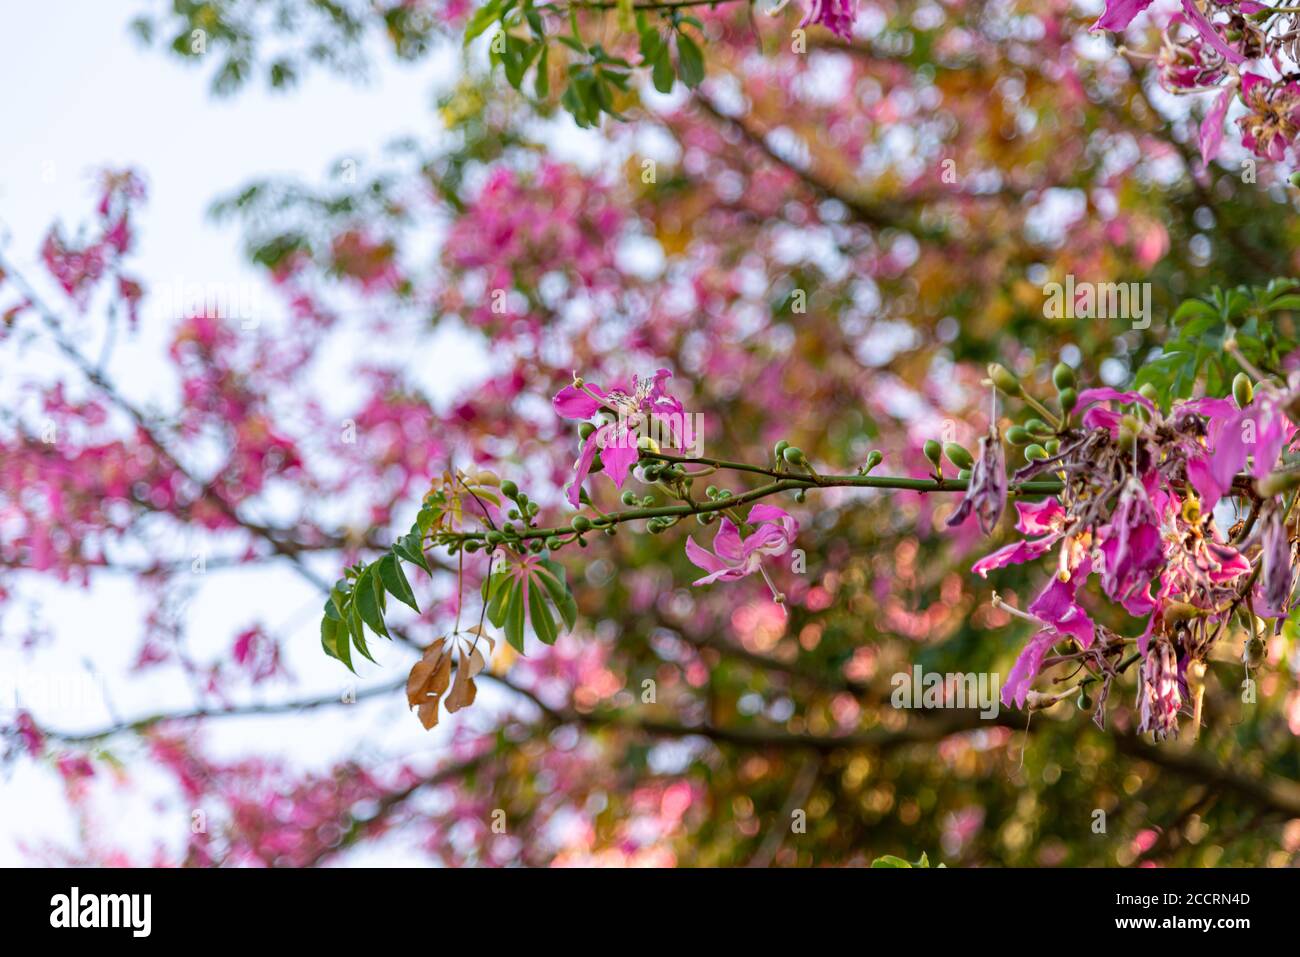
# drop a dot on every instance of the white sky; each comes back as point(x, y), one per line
point(81, 94)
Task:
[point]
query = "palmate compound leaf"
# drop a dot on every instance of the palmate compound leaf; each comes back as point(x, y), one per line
point(361, 601)
point(523, 595)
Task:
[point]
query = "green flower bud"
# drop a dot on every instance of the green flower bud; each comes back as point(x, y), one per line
point(1019, 435)
point(800, 495)
point(1149, 392)
point(1063, 377)
point(1037, 426)
point(964, 474)
point(1035, 452)
point(780, 448)
point(1295, 177)
point(1275, 483)
point(958, 455)
point(629, 498)
point(794, 456)
point(509, 489)
point(1084, 701)
point(554, 542)
point(711, 491)
point(1253, 652)
point(581, 523)
point(1243, 390)
point(933, 450)
point(585, 430)
point(874, 458)
point(1052, 446)
point(1069, 399)
point(494, 537)
point(1003, 380)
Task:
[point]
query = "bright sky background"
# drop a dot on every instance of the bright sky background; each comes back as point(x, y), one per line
point(82, 94)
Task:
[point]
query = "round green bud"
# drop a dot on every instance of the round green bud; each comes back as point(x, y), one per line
point(1063, 377)
point(535, 545)
point(509, 489)
point(1084, 701)
point(1149, 392)
point(780, 448)
point(1035, 452)
point(1243, 390)
point(711, 491)
point(581, 523)
point(1253, 652)
point(554, 542)
point(958, 455)
point(964, 474)
point(629, 498)
point(800, 495)
point(494, 537)
point(1037, 426)
point(585, 430)
point(933, 450)
point(472, 546)
point(874, 458)
point(1019, 435)
point(1275, 483)
point(1003, 380)
point(513, 513)
point(1069, 399)
point(794, 455)
point(1052, 446)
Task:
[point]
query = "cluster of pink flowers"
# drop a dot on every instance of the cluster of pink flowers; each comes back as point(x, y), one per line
point(80, 267)
point(522, 228)
point(1139, 508)
point(1205, 48)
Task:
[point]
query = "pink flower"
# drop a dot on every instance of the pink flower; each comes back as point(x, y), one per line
point(1022, 674)
point(616, 441)
point(1057, 605)
point(734, 557)
point(1119, 14)
point(837, 16)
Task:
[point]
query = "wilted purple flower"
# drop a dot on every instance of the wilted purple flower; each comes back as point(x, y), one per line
point(1160, 695)
point(1132, 552)
point(1277, 563)
point(987, 491)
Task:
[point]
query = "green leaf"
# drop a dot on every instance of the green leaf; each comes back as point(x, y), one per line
point(662, 69)
point(368, 599)
point(357, 629)
point(889, 860)
point(329, 636)
point(394, 579)
point(539, 615)
point(483, 18)
point(542, 82)
point(513, 621)
point(690, 60)
point(552, 577)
